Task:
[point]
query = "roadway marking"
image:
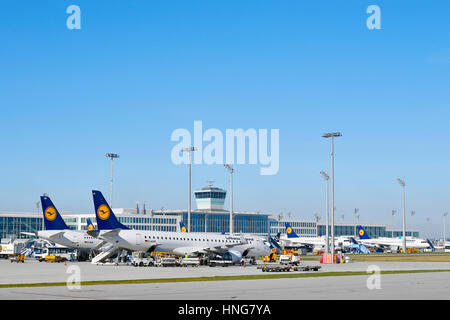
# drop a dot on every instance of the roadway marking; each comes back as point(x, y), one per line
point(220, 278)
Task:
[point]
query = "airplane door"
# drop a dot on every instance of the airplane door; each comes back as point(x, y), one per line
point(138, 239)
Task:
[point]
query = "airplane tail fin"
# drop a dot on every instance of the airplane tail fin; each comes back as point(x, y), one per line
point(52, 218)
point(90, 225)
point(431, 245)
point(274, 244)
point(362, 233)
point(290, 232)
point(183, 227)
point(106, 219)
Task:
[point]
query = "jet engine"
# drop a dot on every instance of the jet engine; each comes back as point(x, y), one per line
point(234, 256)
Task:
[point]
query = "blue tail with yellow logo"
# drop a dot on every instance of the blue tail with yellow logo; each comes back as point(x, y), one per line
point(362, 233)
point(52, 218)
point(90, 225)
point(106, 220)
point(290, 232)
point(183, 227)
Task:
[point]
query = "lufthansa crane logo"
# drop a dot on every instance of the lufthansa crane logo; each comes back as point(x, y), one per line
point(103, 212)
point(183, 229)
point(50, 213)
point(289, 230)
point(361, 232)
point(90, 227)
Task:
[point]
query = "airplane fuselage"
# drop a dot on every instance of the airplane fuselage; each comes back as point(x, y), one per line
point(390, 242)
point(181, 243)
point(79, 240)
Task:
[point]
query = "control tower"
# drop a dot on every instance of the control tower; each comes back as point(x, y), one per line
point(210, 198)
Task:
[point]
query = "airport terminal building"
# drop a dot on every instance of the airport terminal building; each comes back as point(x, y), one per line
point(304, 228)
point(209, 216)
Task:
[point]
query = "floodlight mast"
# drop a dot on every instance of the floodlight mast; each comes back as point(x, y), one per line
point(327, 221)
point(444, 215)
point(332, 135)
point(393, 213)
point(230, 169)
point(189, 150)
point(357, 218)
point(402, 183)
point(112, 156)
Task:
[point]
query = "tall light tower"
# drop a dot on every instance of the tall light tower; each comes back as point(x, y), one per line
point(189, 150)
point(229, 167)
point(38, 204)
point(402, 183)
point(444, 215)
point(393, 214)
point(112, 156)
point(332, 135)
point(327, 244)
point(357, 218)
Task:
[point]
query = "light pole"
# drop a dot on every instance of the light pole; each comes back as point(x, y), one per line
point(332, 135)
point(357, 218)
point(412, 214)
point(393, 214)
point(444, 215)
point(402, 183)
point(189, 150)
point(37, 206)
point(112, 156)
point(230, 169)
point(327, 244)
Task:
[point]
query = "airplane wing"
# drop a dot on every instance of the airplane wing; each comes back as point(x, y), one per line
point(110, 233)
point(56, 235)
point(30, 233)
point(208, 249)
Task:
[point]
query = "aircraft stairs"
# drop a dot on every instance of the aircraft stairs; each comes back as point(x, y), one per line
point(105, 252)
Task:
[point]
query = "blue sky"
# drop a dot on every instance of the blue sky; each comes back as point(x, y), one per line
point(138, 70)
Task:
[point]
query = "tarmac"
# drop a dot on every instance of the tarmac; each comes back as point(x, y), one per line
point(390, 286)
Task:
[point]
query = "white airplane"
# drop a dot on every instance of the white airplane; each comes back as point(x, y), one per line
point(179, 243)
point(58, 232)
point(392, 243)
point(291, 239)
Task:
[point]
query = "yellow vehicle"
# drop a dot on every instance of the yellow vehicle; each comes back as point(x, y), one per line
point(53, 259)
point(17, 258)
point(271, 257)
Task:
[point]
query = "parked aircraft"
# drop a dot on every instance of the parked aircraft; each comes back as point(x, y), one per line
point(291, 239)
point(179, 243)
point(391, 243)
point(57, 231)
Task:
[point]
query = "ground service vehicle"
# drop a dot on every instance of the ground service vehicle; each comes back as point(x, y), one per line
point(141, 259)
point(165, 262)
point(8, 249)
point(66, 254)
point(53, 259)
point(290, 259)
point(287, 268)
point(17, 258)
point(193, 262)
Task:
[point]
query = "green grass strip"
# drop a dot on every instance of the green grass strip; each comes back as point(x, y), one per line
point(280, 275)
